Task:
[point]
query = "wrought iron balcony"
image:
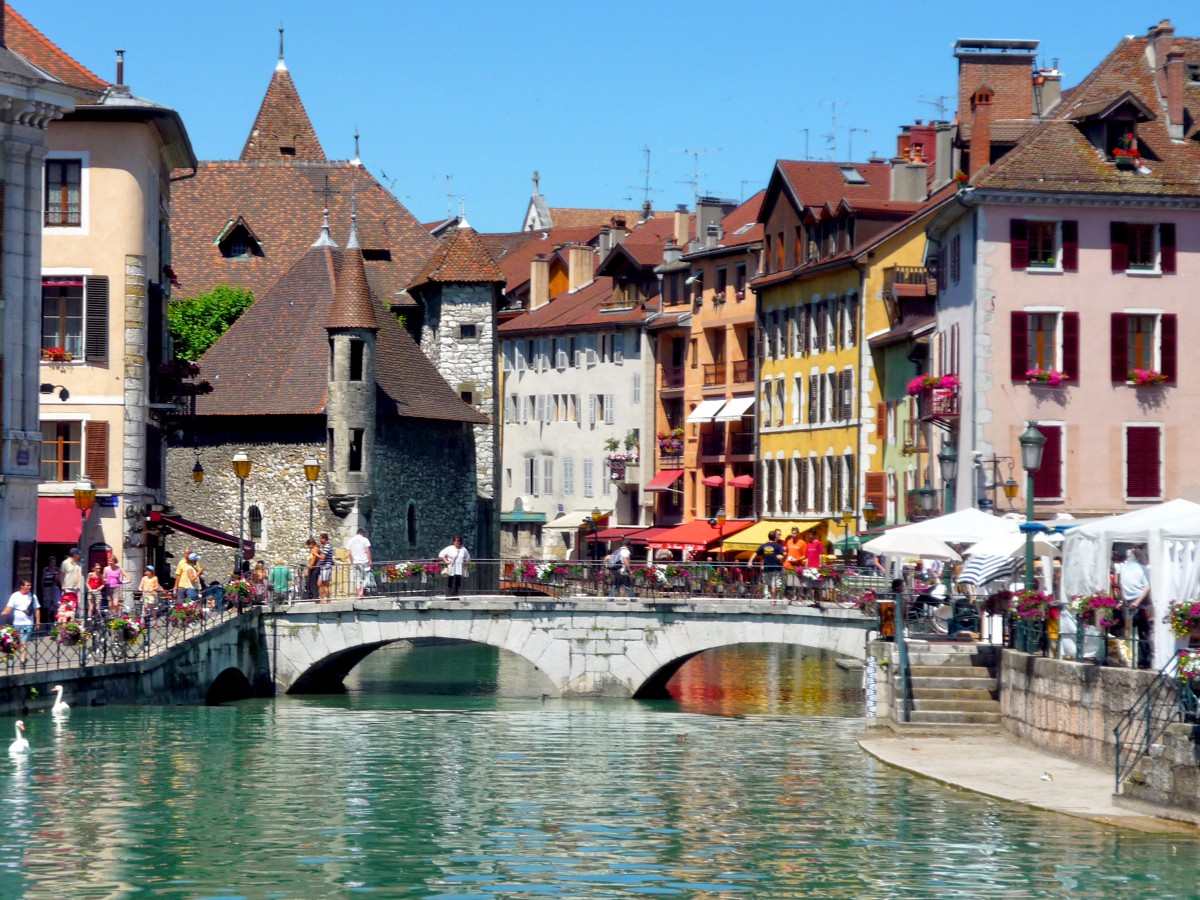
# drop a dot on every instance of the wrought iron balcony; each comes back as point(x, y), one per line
point(743, 371)
point(672, 378)
point(714, 374)
point(938, 404)
point(712, 444)
point(741, 443)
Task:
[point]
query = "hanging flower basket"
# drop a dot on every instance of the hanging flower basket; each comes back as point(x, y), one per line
point(1184, 617)
point(126, 629)
point(69, 634)
point(1031, 606)
point(1101, 606)
point(10, 643)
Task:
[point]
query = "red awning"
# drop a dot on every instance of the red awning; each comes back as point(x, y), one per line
point(58, 521)
point(649, 534)
point(695, 535)
point(204, 533)
point(663, 480)
point(615, 534)
point(742, 481)
point(714, 481)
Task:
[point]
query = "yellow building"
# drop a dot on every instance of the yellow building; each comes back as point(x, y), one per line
point(832, 230)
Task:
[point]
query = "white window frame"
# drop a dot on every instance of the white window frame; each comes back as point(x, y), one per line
point(1157, 314)
point(1057, 268)
point(1058, 333)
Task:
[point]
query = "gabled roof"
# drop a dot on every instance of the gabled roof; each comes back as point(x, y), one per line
point(282, 122)
point(461, 257)
point(582, 310)
point(566, 217)
point(29, 43)
point(291, 379)
point(514, 251)
point(817, 183)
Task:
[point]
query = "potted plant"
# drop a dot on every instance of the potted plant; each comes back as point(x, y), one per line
point(1127, 156)
point(1032, 606)
point(611, 445)
point(57, 354)
point(10, 643)
point(1189, 669)
point(632, 446)
point(961, 179)
point(670, 443)
point(1051, 377)
point(126, 629)
point(1184, 617)
point(1101, 606)
point(188, 612)
point(1144, 377)
point(69, 634)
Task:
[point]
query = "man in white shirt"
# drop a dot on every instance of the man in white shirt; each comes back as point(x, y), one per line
point(618, 565)
point(360, 560)
point(455, 556)
point(25, 612)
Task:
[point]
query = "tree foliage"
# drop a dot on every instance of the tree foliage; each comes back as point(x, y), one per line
point(197, 322)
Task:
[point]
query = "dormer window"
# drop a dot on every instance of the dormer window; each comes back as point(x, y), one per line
point(237, 241)
point(287, 151)
point(1111, 126)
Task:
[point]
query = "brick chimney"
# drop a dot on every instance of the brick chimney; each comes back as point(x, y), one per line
point(1006, 66)
point(539, 282)
point(982, 111)
point(581, 266)
point(1161, 39)
point(3, 16)
point(1176, 76)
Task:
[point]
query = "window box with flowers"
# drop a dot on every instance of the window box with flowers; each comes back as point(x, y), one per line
point(937, 394)
point(57, 355)
point(1101, 606)
point(1047, 377)
point(1127, 156)
point(670, 443)
point(1146, 377)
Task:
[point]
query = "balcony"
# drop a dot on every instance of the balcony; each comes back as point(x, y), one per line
point(714, 374)
point(670, 461)
point(712, 445)
point(743, 371)
point(741, 443)
point(672, 378)
point(909, 291)
point(939, 405)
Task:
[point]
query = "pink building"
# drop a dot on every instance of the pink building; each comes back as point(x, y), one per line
point(1066, 269)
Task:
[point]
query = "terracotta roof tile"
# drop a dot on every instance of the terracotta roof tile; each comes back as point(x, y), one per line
point(273, 360)
point(515, 251)
point(461, 257)
point(352, 303)
point(566, 217)
point(818, 183)
point(282, 124)
point(581, 310)
point(26, 41)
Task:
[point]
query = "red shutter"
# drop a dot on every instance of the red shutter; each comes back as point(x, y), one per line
point(1119, 348)
point(1070, 246)
point(875, 492)
point(1018, 243)
point(1118, 239)
point(1166, 247)
point(95, 462)
point(1070, 345)
point(1168, 352)
point(1020, 345)
point(1048, 480)
point(1143, 462)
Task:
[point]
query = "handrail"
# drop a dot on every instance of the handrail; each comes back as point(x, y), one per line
point(1147, 720)
point(902, 652)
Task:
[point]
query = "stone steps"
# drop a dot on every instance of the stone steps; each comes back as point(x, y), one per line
point(954, 693)
point(971, 706)
point(962, 672)
point(970, 684)
point(953, 717)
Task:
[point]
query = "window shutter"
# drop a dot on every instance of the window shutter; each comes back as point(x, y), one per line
point(637, 388)
point(1119, 245)
point(1166, 247)
point(610, 411)
point(587, 478)
point(812, 398)
point(1018, 243)
point(801, 485)
point(95, 346)
point(533, 475)
point(881, 421)
point(569, 476)
point(539, 412)
point(520, 359)
point(591, 409)
point(1019, 351)
point(1070, 246)
point(1048, 480)
point(875, 490)
point(1070, 347)
point(506, 359)
point(1167, 351)
point(1119, 349)
point(1143, 462)
point(548, 475)
point(95, 463)
point(851, 484)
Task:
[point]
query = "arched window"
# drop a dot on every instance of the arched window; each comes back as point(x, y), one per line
point(254, 517)
point(412, 525)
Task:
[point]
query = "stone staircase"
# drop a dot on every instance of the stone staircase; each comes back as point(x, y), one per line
point(953, 686)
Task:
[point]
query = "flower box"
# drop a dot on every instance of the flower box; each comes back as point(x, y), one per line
point(1146, 377)
point(69, 634)
point(128, 630)
point(1046, 377)
point(1102, 607)
point(57, 354)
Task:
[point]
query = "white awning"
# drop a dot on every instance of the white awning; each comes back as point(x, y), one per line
point(705, 411)
point(575, 518)
point(735, 409)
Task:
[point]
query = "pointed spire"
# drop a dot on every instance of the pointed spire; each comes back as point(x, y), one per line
point(462, 257)
point(326, 239)
point(282, 129)
point(281, 66)
point(352, 303)
point(352, 241)
point(462, 213)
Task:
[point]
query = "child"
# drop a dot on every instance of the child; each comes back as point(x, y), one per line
point(95, 586)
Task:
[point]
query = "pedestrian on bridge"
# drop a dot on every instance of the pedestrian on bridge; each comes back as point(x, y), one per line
point(360, 561)
point(310, 571)
point(455, 556)
point(772, 554)
point(324, 567)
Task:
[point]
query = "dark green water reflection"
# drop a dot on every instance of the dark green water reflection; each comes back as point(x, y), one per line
point(749, 784)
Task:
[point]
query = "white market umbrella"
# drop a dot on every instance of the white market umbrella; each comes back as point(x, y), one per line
point(980, 569)
point(1013, 545)
point(963, 527)
point(921, 546)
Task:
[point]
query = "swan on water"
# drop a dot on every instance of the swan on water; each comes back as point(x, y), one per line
point(59, 708)
point(20, 745)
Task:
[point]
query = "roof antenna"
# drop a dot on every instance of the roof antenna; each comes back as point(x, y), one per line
point(281, 66)
point(462, 213)
point(357, 161)
point(352, 241)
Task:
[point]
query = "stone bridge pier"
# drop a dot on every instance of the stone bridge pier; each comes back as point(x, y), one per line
point(584, 648)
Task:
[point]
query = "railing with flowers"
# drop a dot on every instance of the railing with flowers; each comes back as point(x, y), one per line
point(937, 395)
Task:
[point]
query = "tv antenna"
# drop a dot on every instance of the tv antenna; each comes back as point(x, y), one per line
point(645, 186)
point(938, 103)
point(831, 137)
point(694, 181)
point(850, 140)
point(804, 131)
point(450, 196)
point(746, 181)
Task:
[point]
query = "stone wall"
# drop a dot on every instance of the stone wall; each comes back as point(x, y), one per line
point(1169, 776)
point(1067, 707)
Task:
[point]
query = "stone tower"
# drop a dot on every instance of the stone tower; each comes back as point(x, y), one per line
point(459, 293)
point(350, 403)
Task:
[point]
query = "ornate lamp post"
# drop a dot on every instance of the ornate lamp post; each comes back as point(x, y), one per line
point(926, 498)
point(312, 471)
point(848, 518)
point(1032, 443)
point(948, 461)
point(241, 468)
point(85, 499)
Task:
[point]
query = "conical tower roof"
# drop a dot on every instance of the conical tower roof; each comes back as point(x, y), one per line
point(352, 303)
point(462, 257)
point(282, 129)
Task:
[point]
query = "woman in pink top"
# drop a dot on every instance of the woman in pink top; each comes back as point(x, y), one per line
point(114, 577)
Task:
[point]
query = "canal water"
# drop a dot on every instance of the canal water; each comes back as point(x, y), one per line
point(428, 779)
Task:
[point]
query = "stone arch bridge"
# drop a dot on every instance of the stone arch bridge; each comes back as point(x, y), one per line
point(587, 647)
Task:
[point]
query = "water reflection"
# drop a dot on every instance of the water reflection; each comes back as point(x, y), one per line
point(727, 790)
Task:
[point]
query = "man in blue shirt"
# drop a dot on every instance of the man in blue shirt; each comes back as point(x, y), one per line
point(772, 554)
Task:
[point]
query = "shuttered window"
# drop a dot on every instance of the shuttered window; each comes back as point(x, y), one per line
point(587, 478)
point(1048, 481)
point(96, 452)
point(875, 491)
point(95, 344)
point(1143, 462)
point(569, 476)
point(548, 475)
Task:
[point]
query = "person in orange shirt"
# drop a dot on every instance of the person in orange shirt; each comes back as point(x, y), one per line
point(793, 561)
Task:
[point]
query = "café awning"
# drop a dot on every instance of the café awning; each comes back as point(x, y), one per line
point(205, 533)
point(714, 481)
point(615, 534)
point(735, 409)
point(663, 480)
point(696, 535)
point(58, 521)
point(576, 517)
point(742, 481)
point(705, 411)
point(756, 535)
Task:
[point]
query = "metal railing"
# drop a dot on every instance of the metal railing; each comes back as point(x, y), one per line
point(714, 374)
point(671, 377)
point(1159, 705)
point(743, 371)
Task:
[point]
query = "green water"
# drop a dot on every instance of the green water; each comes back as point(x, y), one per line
point(749, 784)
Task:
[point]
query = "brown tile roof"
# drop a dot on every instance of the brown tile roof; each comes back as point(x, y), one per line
point(746, 214)
point(1055, 156)
point(515, 251)
point(817, 183)
point(581, 310)
point(352, 303)
point(282, 203)
point(26, 41)
point(282, 123)
point(273, 360)
point(566, 217)
point(461, 257)
point(1004, 131)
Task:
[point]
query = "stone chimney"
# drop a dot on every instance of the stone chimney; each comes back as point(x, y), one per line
point(682, 224)
point(1047, 90)
point(981, 130)
point(1160, 40)
point(539, 282)
point(1176, 77)
point(618, 231)
point(604, 243)
point(581, 266)
point(671, 251)
point(909, 180)
point(709, 213)
point(943, 163)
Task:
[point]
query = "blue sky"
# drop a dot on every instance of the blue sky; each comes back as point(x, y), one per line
point(488, 92)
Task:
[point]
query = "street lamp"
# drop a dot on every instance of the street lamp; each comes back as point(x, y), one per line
point(241, 468)
point(948, 461)
point(926, 497)
point(85, 499)
point(197, 471)
point(718, 522)
point(1032, 443)
point(847, 520)
point(869, 512)
point(312, 471)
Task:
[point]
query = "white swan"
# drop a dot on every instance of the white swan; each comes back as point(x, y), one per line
point(20, 745)
point(59, 708)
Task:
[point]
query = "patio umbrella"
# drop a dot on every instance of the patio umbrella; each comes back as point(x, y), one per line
point(981, 569)
point(1013, 545)
point(922, 546)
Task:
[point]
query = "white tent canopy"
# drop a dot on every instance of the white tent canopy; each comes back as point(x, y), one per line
point(966, 526)
point(1171, 533)
point(1012, 545)
point(921, 546)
